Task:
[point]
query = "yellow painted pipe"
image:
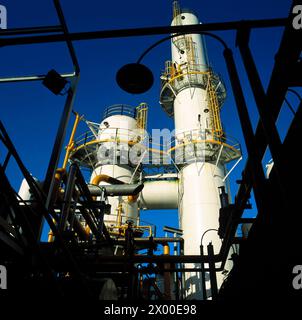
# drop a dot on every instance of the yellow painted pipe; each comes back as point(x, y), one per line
point(87, 230)
point(166, 249)
point(133, 198)
point(105, 178)
point(59, 173)
point(50, 233)
point(119, 215)
point(50, 236)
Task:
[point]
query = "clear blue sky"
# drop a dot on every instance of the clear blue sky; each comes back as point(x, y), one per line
point(31, 113)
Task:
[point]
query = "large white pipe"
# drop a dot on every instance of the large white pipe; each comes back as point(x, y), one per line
point(159, 194)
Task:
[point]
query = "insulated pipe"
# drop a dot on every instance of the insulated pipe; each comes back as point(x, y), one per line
point(105, 178)
point(159, 194)
point(117, 190)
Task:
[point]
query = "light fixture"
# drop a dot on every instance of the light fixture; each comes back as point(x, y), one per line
point(54, 82)
point(134, 78)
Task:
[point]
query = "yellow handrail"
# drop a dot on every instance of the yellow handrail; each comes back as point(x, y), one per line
point(71, 140)
point(141, 116)
point(214, 108)
point(201, 141)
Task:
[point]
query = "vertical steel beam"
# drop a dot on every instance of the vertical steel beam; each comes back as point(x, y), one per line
point(203, 275)
point(55, 156)
point(257, 173)
point(56, 151)
point(267, 121)
point(66, 33)
point(213, 279)
point(70, 185)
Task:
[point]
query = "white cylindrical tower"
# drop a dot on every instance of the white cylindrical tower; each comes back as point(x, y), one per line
point(113, 150)
point(193, 95)
point(117, 131)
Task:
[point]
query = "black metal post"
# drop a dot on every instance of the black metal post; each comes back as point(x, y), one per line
point(56, 151)
point(97, 227)
point(54, 159)
point(247, 129)
point(203, 275)
point(66, 33)
point(213, 279)
point(5, 163)
point(68, 197)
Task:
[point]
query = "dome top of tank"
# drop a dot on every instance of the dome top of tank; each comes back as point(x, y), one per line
point(187, 10)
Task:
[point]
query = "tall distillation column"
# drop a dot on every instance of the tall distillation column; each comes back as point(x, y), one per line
point(193, 95)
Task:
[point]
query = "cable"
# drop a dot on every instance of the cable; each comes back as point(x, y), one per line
point(295, 93)
point(177, 35)
point(205, 233)
point(290, 107)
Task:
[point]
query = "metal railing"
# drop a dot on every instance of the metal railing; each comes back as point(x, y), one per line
point(204, 145)
point(120, 109)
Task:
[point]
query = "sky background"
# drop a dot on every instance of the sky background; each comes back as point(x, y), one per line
point(31, 113)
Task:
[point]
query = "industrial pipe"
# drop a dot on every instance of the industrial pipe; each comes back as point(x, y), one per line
point(105, 178)
point(159, 194)
point(117, 190)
